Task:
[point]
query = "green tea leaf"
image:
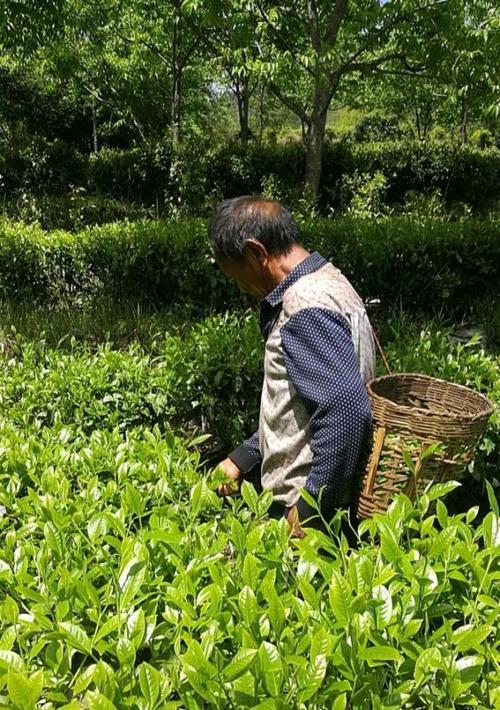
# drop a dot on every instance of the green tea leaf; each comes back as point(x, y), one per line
point(239, 663)
point(125, 652)
point(382, 653)
point(470, 668)
point(136, 627)
point(133, 500)
point(130, 580)
point(76, 637)
point(313, 677)
point(83, 679)
point(492, 498)
point(439, 490)
point(149, 680)
point(24, 692)
point(98, 701)
point(271, 668)
point(97, 527)
point(340, 702)
point(250, 497)
point(9, 659)
point(429, 660)
point(491, 530)
point(238, 535)
point(384, 608)
point(248, 605)
point(340, 598)
point(470, 637)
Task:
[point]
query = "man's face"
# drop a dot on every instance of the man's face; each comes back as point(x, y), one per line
point(249, 273)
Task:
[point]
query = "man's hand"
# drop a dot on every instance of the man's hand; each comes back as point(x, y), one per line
point(233, 472)
point(294, 523)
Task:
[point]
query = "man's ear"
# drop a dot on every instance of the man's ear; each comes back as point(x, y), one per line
point(256, 250)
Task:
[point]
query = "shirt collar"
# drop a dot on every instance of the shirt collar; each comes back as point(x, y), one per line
point(309, 265)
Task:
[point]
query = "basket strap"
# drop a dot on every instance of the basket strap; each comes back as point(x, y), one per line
point(381, 352)
point(374, 459)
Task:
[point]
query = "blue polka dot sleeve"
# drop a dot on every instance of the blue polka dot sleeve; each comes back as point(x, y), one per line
point(247, 455)
point(322, 365)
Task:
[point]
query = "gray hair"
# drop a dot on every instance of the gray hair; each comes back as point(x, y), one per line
point(252, 217)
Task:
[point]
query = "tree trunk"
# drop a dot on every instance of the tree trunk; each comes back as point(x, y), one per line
point(315, 140)
point(463, 124)
point(417, 121)
point(176, 104)
point(242, 97)
point(261, 113)
point(176, 84)
point(94, 129)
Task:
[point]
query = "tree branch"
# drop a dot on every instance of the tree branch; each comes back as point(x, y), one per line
point(373, 64)
point(334, 21)
point(283, 41)
point(312, 16)
point(383, 30)
point(291, 103)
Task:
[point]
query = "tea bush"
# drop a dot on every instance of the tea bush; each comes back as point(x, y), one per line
point(155, 176)
point(426, 265)
point(206, 379)
point(125, 582)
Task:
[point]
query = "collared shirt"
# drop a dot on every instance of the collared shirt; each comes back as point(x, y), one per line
point(315, 419)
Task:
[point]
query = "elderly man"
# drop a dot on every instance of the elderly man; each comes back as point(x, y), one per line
point(315, 419)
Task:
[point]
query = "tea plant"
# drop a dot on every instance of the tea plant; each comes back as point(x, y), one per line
point(125, 582)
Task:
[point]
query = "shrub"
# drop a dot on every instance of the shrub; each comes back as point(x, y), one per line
point(42, 166)
point(376, 127)
point(482, 138)
point(429, 265)
point(135, 175)
point(186, 181)
point(73, 211)
point(125, 581)
point(363, 195)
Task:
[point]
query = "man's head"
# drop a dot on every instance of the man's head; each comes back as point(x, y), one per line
point(250, 237)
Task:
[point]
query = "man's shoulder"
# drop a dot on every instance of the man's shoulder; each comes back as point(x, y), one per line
point(325, 288)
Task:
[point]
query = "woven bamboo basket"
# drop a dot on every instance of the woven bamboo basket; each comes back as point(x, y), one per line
point(411, 412)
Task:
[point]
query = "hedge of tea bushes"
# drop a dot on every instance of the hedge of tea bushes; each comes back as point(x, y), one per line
point(429, 265)
point(151, 174)
point(205, 379)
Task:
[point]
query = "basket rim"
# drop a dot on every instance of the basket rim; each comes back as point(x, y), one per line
point(488, 410)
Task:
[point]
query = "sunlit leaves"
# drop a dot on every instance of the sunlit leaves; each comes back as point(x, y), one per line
point(126, 580)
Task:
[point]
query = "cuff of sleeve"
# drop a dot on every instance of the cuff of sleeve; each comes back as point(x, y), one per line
point(305, 511)
point(244, 458)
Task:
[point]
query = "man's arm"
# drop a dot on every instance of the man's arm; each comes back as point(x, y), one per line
point(322, 365)
point(239, 463)
point(247, 455)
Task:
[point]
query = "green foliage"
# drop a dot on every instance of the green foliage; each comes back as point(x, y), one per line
point(202, 379)
point(427, 265)
point(190, 182)
point(377, 127)
point(188, 381)
point(72, 212)
point(363, 194)
point(125, 582)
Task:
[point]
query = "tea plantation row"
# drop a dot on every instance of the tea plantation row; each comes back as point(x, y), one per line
point(125, 582)
point(206, 379)
point(152, 174)
point(432, 266)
